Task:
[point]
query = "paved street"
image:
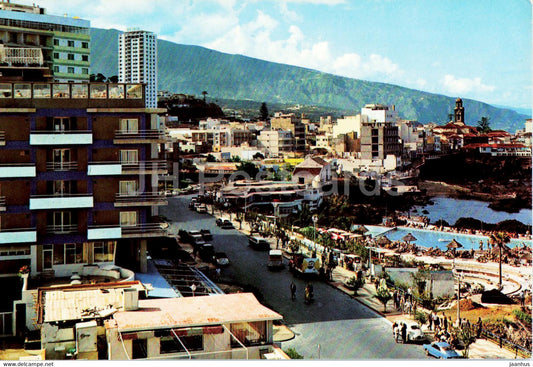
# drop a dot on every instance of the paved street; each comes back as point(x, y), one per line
point(342, 327)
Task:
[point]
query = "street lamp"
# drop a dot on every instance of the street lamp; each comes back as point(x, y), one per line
point(315, 219)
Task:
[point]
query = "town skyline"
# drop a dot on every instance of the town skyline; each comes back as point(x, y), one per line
point(368, 40)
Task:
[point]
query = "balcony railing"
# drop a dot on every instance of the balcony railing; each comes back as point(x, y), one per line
point(2, 138)
point(145, 166)
point(143, 230)
point(62, 228)
point(61, 137)
point(128, 137)
point(21, 56)
point(120, 168)
point(146, 199)
point(61, 201)
point(18, 235)
point(61, 166)
point(17, 170)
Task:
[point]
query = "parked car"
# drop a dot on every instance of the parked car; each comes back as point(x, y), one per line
point(206, 234)
point(219, 221)
point(184, 235)
point(220, 259)
point(202, 208)
point(192, 202)
point(206, 252)
point(414, 333)
point(275, 259)
point(227, 224)
point(441, 350)
point(258, 243)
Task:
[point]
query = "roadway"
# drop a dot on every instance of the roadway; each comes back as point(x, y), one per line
point(334, 326)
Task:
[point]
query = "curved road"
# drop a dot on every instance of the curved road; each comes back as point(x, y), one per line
point(333, 327)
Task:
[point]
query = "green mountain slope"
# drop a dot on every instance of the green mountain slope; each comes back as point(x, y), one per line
point(193, 69)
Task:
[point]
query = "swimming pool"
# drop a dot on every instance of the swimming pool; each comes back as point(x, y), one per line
point(428, 238)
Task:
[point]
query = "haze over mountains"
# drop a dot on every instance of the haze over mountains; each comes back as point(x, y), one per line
point(193, 69)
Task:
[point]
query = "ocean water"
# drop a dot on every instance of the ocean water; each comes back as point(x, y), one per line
point(450, 210)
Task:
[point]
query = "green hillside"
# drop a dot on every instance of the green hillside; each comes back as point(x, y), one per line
point(193, 69)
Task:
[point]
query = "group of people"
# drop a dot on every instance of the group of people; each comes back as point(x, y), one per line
point(404, 302)
point(308, 292)
point(399, 331)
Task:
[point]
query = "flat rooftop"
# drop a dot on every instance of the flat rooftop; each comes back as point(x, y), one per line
point(194, 311)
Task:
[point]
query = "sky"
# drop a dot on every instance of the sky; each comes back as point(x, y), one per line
point(478, 49)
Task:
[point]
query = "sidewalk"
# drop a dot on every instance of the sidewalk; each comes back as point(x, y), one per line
point(481, 349)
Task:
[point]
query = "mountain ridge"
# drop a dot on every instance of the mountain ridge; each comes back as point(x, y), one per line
point(191, 69)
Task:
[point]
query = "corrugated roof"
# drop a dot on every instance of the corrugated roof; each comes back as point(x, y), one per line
point(194, 311)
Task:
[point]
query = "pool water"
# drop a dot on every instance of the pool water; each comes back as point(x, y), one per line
point(429, 238)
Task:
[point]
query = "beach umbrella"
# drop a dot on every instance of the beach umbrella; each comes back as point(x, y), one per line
point(453, 245)
point(382, 241)
point(409, 237)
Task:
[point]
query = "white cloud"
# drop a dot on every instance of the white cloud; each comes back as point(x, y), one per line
point(290, 15)
point(465, 85)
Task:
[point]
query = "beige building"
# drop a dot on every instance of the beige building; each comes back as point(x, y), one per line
point(275, 143)
point(229, 326)
point(292, 123)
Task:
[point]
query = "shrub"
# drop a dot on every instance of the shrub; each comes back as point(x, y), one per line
point(522, 316)
point(421, 317)
point(293, 354)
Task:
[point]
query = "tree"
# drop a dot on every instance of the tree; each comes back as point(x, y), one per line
point(258, 156)
point(467, 337)
point(500, 239)
point(483, 125)
point(263, 112)
point(421, 317)
point(354, 284)
point(204, 93)
point(249, 168)
point(98, 78)
point(211, 158)
point(383, 295)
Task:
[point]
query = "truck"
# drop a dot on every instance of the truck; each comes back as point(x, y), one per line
point(303, 265)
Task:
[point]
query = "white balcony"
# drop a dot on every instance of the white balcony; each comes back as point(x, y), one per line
point(19, 235)
point(118, 168)
point(71, 137)
point(104, 232)
point(71, 201)
point(17, 170)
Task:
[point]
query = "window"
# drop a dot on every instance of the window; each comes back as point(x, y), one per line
point(56, 69)
point(22, 91)
point(69, 253)
point(139, 348)
point(127, 188)
point(60, 90)
point(62, 187)
point(85, 71)
point(170, 344)
point(70, 70)
point(85, 45)
point(98, 91)
point(71, 57)
point(41, 91)
point(56, 42)
point(70, 43)
point(248, 333)
point(129, 125)
point(129, 156)
point(56, 55)
point(84, 57)
point(103, 251)
point(128, 219)
point(80, 90)
point(59, 254)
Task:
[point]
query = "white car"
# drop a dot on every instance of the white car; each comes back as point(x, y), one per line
point(414, 333)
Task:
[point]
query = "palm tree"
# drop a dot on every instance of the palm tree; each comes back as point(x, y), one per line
point(383, 295)
point(500, 239)
point(204, 94)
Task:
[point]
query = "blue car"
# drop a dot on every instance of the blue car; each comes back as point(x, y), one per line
point(441, 350)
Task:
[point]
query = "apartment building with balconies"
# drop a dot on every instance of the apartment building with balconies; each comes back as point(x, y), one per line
point(78, 175)
point(31, 37)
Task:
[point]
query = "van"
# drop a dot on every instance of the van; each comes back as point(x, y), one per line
point(275, 259)
point(259, 243)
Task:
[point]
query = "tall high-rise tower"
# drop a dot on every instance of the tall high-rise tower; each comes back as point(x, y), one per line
point(137, 62)
point(30, 38)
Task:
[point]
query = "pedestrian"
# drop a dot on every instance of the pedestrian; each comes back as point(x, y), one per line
point(436, 321)
point(217, 271)
point(293, 291)
point(444, 322)
point(404, 332)
point(395, 299)
point(523, 298)
point(430, 320)
point(479, 327)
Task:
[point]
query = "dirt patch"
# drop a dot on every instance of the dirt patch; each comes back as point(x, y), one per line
point(468, 305)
